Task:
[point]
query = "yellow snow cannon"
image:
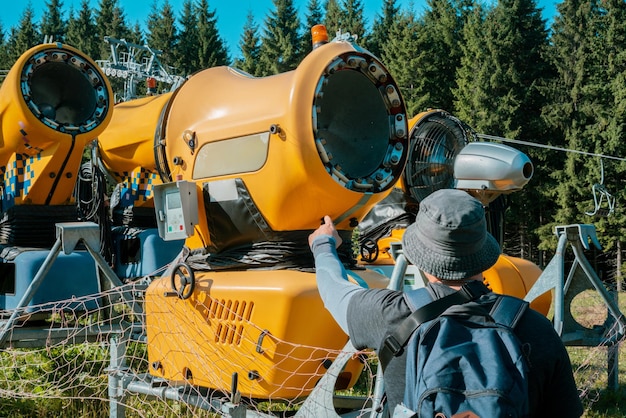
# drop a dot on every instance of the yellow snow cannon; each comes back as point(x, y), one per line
point(251, 167)
point(53, 101)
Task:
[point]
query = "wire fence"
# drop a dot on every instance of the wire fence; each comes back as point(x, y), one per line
point(95, 356)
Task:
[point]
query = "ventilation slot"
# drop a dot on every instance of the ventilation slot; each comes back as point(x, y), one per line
point(231, 316)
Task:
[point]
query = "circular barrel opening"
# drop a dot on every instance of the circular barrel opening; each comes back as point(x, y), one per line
point(355, 124)
point(360, 124)
point(65, 91)
point(63, 94)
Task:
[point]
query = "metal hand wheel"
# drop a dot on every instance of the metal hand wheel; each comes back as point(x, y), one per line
point(186, 282)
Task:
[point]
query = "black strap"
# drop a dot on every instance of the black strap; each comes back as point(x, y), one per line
point(508, 310)
point(393, 345)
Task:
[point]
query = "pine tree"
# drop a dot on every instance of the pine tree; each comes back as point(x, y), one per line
point(187, 46)
point(441, 51)
point(212, 51)
point(280, 40)
point(519, 68)
point(136, 35)
point(81, 31)
point(334, 18)
point(516, 36)
point(610, 177)
point(382, 26)
point(501, 65)
point(616, 129)
point(250, 47)
point(110, 22)
point(25, 37)
point(354, 22)
point(471, 102)
point(5, 64)
point(510, 41)
point(162, 34)
point(499, 94)
point(576, 108)
point(399, 56)
point(52, 24)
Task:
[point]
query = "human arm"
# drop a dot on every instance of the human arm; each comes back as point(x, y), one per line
point(332, 280)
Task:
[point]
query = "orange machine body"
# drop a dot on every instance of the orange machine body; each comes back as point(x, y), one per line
point(269, 327)
point(515, 276)
point(127, 147)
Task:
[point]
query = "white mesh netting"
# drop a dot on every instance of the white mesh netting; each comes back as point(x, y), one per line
point(90, 356)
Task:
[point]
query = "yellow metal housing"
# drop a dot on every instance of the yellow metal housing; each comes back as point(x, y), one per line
point(515, 276)
point(269, 327)
point(127, 146)
point(128, 141)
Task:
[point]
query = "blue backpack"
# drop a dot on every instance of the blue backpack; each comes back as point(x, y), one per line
point(462, 356)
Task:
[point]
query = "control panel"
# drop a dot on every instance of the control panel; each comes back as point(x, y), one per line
point(176, 206)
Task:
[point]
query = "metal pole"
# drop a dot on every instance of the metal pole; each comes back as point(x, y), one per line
point(609, 300)
point(558, 289)
point(613, 355)
point(116, 367)
point(115, 281)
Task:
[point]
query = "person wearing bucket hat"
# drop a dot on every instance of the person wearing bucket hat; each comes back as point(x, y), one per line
point(450, 244)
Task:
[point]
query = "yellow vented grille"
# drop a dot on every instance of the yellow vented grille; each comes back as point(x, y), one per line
point(230, 315)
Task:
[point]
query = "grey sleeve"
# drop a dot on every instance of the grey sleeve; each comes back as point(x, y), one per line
point(332, 280)
point(372, 314)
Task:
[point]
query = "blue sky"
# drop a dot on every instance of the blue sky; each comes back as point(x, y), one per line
point(231, 14)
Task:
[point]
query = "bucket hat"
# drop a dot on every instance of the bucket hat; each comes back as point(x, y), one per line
point(449, 237)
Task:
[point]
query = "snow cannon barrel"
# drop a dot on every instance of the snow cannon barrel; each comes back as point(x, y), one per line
point(53, 101)
point(329, 137)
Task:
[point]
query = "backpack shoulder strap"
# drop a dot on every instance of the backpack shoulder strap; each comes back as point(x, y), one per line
point(394, 343)
point(508, 310)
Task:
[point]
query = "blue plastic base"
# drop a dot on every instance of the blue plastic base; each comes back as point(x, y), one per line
point(71, 276)
point(143, 254)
